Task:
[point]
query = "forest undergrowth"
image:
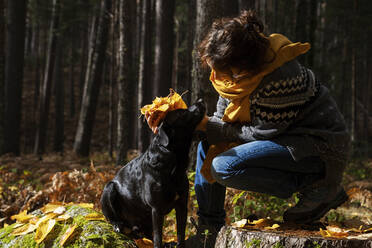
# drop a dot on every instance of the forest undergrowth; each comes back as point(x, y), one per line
point(27, 183)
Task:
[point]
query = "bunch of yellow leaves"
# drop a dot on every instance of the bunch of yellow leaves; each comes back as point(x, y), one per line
point(53, 213)
point(337, 232)
point(156, 112)
point(266, 224)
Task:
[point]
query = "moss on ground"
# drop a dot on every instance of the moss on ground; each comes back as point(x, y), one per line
point(88, 233)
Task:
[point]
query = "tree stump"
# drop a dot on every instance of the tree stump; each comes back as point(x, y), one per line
point(230, 237)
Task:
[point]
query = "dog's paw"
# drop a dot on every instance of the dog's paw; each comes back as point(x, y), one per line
point(116, 228)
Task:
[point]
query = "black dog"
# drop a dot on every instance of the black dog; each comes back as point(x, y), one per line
point(151, 185)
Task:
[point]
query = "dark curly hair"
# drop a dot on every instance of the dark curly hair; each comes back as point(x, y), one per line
point(235, 42)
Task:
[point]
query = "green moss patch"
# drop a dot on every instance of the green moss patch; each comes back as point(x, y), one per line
point(88, 233)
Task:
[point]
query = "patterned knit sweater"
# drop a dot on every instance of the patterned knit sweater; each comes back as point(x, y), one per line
point(292, 108)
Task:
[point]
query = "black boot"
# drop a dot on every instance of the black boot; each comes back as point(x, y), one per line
point(315, 201)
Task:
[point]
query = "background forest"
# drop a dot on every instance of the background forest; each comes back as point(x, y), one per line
point(74, 74)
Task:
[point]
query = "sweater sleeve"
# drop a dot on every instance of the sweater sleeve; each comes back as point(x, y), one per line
point(220, 131)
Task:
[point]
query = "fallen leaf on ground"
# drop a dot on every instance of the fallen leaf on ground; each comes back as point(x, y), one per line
point(24, 229)
point(63, 217)
point(43, 230)
point(144, 243)
point(273, 227)
point(69, 233)
point(51, 207)
point(94, 216)
point(240, 223)
point(22, 216)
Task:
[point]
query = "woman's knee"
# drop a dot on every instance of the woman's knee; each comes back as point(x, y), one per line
point(219, 169)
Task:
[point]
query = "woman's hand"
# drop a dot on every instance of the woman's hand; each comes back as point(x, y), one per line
point(202, 126)
point(153, 121)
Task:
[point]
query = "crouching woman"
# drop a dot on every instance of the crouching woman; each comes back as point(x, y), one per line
point(276, 129)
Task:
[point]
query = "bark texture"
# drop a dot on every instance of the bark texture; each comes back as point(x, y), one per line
point(229, 237)
point(16, 25)
point(41, 132)
point(93, 82)
point(164, 46)
point(126, 86)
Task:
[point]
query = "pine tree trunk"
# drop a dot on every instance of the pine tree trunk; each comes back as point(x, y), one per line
point(72, 81)
point(301, 26)
point(125, 81)
point(93, 82)
point(41, 132)
point(207, 11)
point(191, 22)
point(16, 24)
point(59, 104)
point(2, 70)
point(246, 4)
point(312, 31)
point(230, 8)
point(144, 85)
point(164, 45)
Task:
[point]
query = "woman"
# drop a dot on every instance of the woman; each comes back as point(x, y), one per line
point(276, 129)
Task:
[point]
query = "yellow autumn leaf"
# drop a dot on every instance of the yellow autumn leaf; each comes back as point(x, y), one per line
point(83, 205)
point(22, 216)
point(239, 224)
point(34, 220)
point(256, 222)
point(43, 230)
point(45, 218)
point(24, 229)
point(51, 207)
point(273, 227)
point(164, 104)
point(63, 217)
point(94, 216)
point(337, 232)
point(69, 233)
point(144, 243)
point(324, 233)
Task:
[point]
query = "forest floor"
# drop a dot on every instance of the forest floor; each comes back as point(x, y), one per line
point(29, 183)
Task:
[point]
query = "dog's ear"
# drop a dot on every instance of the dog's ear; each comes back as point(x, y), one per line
point(162, 136)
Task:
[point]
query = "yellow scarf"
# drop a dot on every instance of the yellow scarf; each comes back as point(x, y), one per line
point(239, 88)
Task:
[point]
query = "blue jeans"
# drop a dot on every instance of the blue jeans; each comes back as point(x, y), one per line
point(260, 166)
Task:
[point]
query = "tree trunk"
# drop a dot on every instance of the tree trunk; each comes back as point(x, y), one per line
point(301, 26)
point(41, 132)
point(207, 11)
point(2, 69)
point(229, 237)
point(125, 81)
point(144, 85)
point(72, 81)
point(93, 82)
point(16, 11)
point(164, 44)
point(59, 104)
point(312, 31)
point(230, 8)
point(246, 4)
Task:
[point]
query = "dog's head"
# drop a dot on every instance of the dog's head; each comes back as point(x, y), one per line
point(179, 125)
